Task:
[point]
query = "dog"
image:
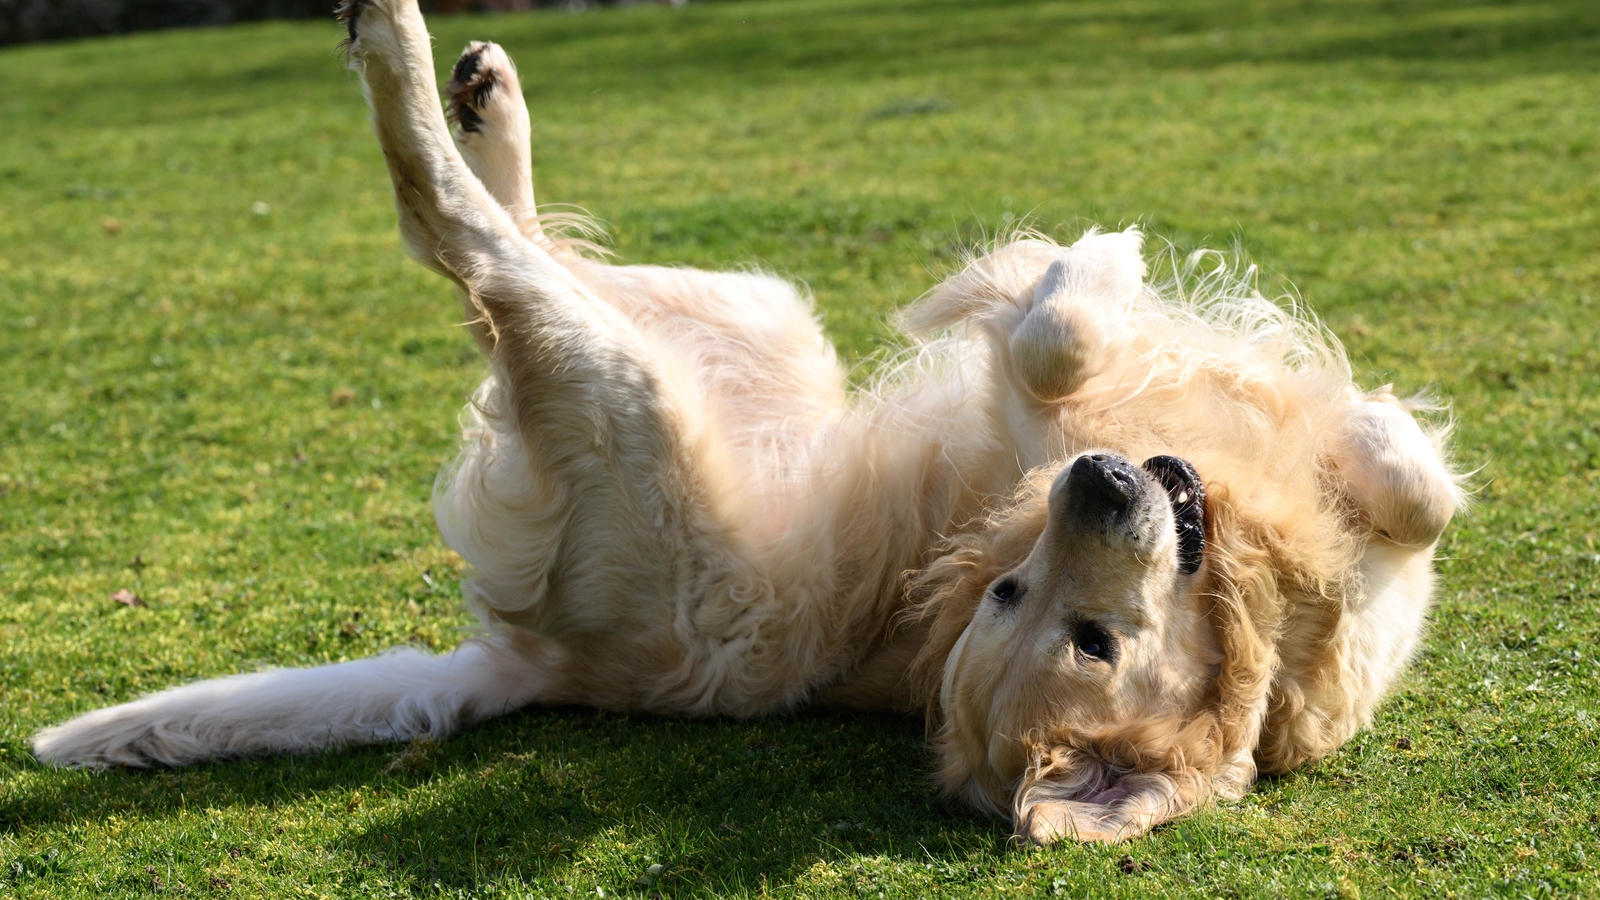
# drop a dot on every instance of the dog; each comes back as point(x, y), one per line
point(1126, 544)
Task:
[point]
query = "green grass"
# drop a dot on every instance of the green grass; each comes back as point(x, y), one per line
point(238, 417)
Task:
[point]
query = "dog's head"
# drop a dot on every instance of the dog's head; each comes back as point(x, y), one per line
point(1087, 651)
point(1136, 632)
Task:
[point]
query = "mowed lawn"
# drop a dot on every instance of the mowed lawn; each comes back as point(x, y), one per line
point(226, 391)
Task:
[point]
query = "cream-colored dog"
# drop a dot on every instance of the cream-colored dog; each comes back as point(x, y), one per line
point(1126, 545)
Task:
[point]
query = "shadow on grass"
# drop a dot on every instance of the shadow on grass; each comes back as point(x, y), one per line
point(723, 804)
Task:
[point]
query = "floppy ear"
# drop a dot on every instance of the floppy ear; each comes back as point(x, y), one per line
point(1072, 793)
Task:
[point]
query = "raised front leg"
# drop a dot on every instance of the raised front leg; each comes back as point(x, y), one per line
point(1077, 321)
point(1069, 329)
point(1053, 319)
point(1394, 472)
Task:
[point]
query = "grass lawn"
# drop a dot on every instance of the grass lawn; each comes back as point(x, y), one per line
point(227, 391)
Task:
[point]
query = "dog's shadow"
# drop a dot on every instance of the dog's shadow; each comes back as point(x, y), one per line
point(569, 795)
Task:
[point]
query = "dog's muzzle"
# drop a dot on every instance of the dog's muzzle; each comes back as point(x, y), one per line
point(1108, 485)
point(1106, 480)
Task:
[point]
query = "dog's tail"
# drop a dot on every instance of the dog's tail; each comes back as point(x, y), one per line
point(392, 697)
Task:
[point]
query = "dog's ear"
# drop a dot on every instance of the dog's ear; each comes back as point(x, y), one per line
point(1394, 472)
point(1085, 793)
point(1114, 787)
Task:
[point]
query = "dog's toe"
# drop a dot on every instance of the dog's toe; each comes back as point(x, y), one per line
point(483, 71)
point(348, 12)
point(471, 84)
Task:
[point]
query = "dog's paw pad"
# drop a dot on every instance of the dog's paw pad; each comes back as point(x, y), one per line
point(480, 71)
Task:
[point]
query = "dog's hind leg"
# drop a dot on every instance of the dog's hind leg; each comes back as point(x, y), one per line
point(577, 386)
point(575, 381)
point(392, 697)
point(491, 128)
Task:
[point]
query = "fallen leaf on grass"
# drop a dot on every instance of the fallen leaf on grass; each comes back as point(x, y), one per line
point(651, 875)
point(128, 598)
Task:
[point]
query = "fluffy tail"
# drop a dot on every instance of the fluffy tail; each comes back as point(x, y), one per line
point(391, 697)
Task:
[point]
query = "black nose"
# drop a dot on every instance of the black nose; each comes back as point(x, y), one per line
point(1106, 479)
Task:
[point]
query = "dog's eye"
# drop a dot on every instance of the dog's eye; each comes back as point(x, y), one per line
point(1093, 641)
point(1006, 591)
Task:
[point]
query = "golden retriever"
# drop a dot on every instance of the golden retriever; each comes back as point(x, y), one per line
point(1126, 544)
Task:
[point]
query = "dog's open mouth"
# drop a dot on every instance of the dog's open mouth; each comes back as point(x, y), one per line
point(1187, 495)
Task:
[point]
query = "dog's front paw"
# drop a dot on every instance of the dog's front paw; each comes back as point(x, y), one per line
point(1059, 344)
point(1395, 472)
point(1081, 309)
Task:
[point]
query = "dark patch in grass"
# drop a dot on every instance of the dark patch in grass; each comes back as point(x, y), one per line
point(909, 107)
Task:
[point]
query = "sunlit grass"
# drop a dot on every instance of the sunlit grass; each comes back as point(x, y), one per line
point(227, 392)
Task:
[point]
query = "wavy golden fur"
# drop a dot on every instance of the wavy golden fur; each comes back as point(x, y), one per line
point(1255, 396)
point(671, 503)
